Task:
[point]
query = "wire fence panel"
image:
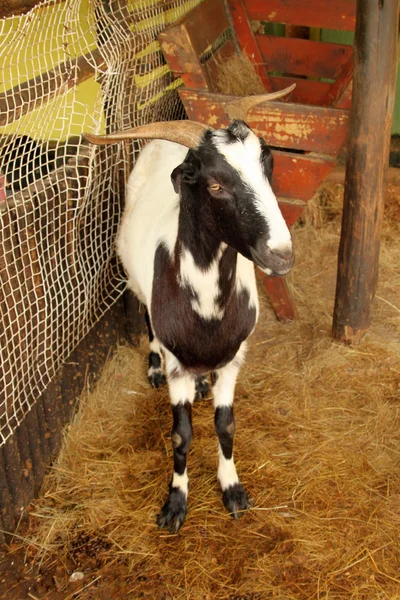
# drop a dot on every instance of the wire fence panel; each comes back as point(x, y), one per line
point(68, 67)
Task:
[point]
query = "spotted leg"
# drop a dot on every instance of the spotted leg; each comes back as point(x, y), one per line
point(234, 495)
point(182, 392)
point(155, 372)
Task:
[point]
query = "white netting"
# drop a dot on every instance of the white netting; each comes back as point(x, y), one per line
point(69, 67)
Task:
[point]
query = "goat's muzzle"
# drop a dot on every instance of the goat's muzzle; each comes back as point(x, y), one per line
point(277, 261)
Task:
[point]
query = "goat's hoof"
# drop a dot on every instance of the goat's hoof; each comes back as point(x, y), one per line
point(173, 512)
point(156, 377)
point(201, 387)
point(236, 500)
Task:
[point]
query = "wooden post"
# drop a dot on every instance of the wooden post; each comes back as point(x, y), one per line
point(375, 62)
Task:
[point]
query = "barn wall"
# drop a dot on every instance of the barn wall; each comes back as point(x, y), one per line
point(61, 285)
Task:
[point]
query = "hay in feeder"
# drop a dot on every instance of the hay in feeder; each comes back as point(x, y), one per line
point(317, 447)
point(237, 77)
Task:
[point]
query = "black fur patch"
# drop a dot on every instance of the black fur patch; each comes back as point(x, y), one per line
point(181, 431)
point(225, 427)
point(154, 360)
point(199, 344)
point(149, 328)
point(173, 513)
point(236, 500)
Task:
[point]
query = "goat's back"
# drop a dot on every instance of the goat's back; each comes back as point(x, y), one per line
point(151, 214)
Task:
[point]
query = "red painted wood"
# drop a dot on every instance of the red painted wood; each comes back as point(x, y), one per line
point(291, 211)
point(280, 296)
point(305, 92)
point(337, 14)
point(301, 127)
point(303, 57)
point(299, 175)
point(339, 91)
point(282, 125)
point(182, 59)
point(203, 24)
point(186, 40)
point(247, 40)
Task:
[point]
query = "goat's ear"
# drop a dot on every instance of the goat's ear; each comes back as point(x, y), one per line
point(268, 162)
point(188, 171)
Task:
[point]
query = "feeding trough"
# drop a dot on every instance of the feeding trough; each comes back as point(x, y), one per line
point(306, 130)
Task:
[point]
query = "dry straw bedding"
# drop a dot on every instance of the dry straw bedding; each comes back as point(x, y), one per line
point(317, 447)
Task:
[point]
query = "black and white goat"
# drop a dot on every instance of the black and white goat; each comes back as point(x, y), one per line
point(189, 249)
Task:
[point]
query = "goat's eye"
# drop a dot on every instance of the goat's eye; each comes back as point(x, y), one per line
point(215, 187)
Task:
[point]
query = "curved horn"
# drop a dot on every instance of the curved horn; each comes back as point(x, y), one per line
point(187, 133)
point(239, 108)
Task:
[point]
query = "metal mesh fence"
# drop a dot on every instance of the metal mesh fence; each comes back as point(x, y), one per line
point(68, 67)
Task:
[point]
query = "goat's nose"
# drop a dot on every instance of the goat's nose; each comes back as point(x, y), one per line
point(285, 253)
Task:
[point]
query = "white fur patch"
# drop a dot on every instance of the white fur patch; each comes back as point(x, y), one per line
point(182, 385)
point(155, 346)
point(226, 474)
point(224, 388)
point(245, 158)
point(205, 283)
point(181, 482)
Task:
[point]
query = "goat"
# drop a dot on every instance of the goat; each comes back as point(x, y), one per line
point(189, 250)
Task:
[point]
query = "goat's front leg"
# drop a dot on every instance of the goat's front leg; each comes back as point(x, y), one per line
point(234, 495)
point(155, 373)
point(182, 392)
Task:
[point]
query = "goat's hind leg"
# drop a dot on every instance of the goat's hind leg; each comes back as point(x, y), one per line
point(155, 372)
point(234, 495)
point(182, 392)
point(201, 387)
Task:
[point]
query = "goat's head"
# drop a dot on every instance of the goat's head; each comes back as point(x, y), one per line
point(230, 170)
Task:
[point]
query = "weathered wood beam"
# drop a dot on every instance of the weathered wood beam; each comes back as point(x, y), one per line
point(375, 63)
point(313, 13)
point(340, 93)
point(285, 125)
point(303, 57)
point(32, 94)
point(247, 40)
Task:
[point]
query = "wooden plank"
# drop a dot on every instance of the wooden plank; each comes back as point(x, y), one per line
point(300, 127)
point(374, 84)
point(340, 14)
point(6, 501)
point(185, 42)
point(305, 92)
point(182, 58)
point(303, 57)
point(22, 436)
point(247, 40)
point(340, 92)
point(299, 175)
point(39, 90)
point(282, 125)
point(203, 25)
point(14, 475)
point(291, 211)
point(38, 462)
point(280, 297)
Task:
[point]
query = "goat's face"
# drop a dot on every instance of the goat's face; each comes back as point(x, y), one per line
point(230, 174)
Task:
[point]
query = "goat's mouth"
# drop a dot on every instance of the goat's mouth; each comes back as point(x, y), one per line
point(272, 263)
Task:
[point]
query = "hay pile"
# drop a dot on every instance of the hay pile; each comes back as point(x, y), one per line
point(238, 77)
point(317, 446)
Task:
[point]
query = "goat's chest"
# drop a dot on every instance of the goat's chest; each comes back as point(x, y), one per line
point(201, 339)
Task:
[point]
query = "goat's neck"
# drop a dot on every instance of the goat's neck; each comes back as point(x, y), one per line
point(204, 261)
